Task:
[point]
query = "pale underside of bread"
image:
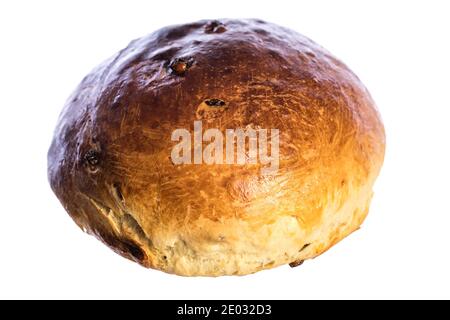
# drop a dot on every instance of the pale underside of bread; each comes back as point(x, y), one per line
point(110, 166)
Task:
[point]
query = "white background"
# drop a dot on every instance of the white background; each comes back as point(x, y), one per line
point(401, 52)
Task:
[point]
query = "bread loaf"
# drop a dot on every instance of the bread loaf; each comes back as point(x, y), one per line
point(126, 176)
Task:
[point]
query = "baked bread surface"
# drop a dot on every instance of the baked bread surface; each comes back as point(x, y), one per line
point(109, 162)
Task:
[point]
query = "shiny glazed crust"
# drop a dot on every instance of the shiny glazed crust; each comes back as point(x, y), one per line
point(109, 163)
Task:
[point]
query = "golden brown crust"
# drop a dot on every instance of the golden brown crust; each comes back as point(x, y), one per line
point(109, 162)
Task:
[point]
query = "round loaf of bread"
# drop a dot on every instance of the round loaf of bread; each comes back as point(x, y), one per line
point(146, 155)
